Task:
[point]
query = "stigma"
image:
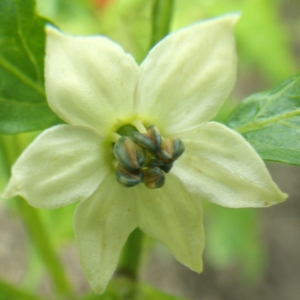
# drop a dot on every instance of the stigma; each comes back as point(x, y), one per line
point(145, 157)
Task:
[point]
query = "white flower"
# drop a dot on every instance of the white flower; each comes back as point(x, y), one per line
point(96, 87)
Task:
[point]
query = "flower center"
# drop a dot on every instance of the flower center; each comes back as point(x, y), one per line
point(144, 157)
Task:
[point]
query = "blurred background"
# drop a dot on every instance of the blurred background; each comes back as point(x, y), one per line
point(250, 253)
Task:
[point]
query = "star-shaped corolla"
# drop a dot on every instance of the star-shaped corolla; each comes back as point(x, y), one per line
point(97, 88)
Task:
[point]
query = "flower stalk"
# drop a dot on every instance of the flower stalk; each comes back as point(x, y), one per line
point(42, 242)
point(131, 255)
point(161, 19)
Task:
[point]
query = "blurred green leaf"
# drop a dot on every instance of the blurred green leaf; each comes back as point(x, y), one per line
point(264, 41)
point(122, 288)
point(149, 293)
point(233, 240)
point(10, 292)
point(270, 121)
point(23, 106)
point(128, 23)
point(59, 223)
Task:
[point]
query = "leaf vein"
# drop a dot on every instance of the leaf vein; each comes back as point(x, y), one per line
point(25, 46)
point(257, 125)
point(22, 77)
point(21, 103)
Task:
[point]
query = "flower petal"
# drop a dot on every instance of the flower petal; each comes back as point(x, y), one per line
point(187, 76)
point(102, 224)
point(89, 80)
point(221, 166)
point(64, 164)
point(171, 215)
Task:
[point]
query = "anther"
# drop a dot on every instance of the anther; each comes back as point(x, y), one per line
point(128, 178)
point(154, 178)
point(171, 149)
point(129, 154)
point(166, 166)
point(150, 140)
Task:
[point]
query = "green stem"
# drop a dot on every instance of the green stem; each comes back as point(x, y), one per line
point(161, 19)
point(40, 236)
point(9, 153)
point(131, 255)
point(11, 292)
point(4, 158)
point(10, 150)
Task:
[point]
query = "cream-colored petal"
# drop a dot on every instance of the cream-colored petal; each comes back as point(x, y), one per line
point(102, 224)
point(62, 165)
point(172, 216)
point(89, 80)
point(187, 76)
point(222, 167)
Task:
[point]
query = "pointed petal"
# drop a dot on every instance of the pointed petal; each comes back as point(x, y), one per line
point(89, 80)
point(172, 216)
point(62, 165)
point(187, 76)
point(102, 224)
point(221, 166)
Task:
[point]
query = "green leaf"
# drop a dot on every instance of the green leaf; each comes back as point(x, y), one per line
point(23, 105)
point(270, 121)
point(264, 40)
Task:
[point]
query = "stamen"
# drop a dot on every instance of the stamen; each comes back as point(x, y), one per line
point(114, 137)
point(139, 126)
point(144, 156)
point(129, 154)
point(154, 178)
point(171, 149)
point(128, 178)
point(166, 166)
point(150, 140)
